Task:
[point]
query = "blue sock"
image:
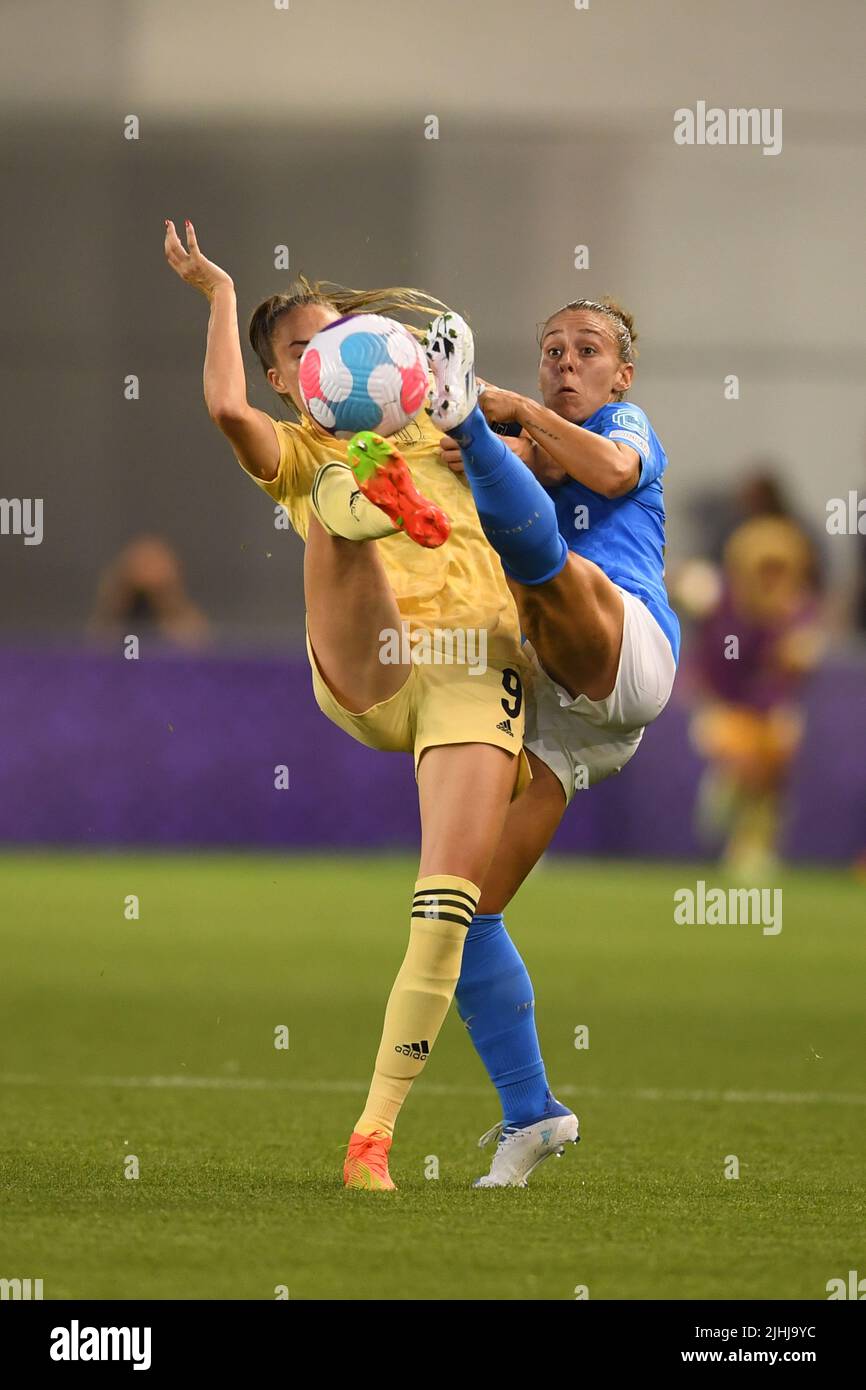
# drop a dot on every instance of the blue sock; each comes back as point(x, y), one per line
point(517, 516)
point(494, 1000)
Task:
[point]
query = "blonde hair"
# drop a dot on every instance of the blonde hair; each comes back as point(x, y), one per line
point(391, 301)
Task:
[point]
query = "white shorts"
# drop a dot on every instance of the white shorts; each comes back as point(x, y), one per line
point(583, 741)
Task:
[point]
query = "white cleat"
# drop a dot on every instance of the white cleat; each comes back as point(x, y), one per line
point(450, 350)
point(520, 1151)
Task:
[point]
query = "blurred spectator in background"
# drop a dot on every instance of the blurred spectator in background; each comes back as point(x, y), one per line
point(143, 591)
point(760, 493)
point(757, 640)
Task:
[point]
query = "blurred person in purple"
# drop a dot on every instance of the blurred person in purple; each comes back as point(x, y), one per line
point(750, 658)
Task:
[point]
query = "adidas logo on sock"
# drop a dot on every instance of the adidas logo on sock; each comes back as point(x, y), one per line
point(418, 1051)
point(505, 726)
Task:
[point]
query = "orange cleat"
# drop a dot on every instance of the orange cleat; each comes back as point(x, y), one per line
point(383, 476)
point(366, 1165)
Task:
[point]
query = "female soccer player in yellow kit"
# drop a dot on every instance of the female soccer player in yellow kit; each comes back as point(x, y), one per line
point(361, 577)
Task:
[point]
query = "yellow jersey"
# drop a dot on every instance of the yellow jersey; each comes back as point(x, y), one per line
point(458, 585)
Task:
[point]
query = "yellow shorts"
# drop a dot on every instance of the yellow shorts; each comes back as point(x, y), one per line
point(439, 704)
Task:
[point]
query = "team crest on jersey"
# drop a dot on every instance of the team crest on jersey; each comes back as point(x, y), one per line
point(631, 420)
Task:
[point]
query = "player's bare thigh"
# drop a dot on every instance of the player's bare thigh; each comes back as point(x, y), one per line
point(574, 622)
point(464, 793)
point(530, 825)
point(349, 603)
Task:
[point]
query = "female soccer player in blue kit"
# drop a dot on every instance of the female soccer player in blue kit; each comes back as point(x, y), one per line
point(584, 558)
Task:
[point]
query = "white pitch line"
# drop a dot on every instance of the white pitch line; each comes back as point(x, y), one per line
point(253, 1083)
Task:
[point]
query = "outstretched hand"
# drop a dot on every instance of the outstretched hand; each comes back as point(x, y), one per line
point(189, 263)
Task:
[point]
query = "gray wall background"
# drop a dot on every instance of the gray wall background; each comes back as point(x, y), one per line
point(306, 127)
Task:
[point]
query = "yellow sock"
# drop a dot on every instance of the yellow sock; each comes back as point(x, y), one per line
point(342, 507)
point(442, 909)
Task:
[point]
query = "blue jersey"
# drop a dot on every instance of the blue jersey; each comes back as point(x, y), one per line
point(624, 536)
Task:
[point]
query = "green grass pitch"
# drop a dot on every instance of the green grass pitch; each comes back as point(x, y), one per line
point(704, 1042)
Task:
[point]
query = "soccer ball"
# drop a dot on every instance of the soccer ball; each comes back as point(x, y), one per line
point(364, 372)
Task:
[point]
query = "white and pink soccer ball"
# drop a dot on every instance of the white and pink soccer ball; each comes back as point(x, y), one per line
point(363, 372)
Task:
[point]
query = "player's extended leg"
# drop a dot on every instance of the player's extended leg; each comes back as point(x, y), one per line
point(349, 602)
point(464, 793)
point(574, 621)
point(516, 514)
point(569, 609)
point(348, 596)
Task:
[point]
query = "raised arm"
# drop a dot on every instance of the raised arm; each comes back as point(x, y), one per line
point(250, 431)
